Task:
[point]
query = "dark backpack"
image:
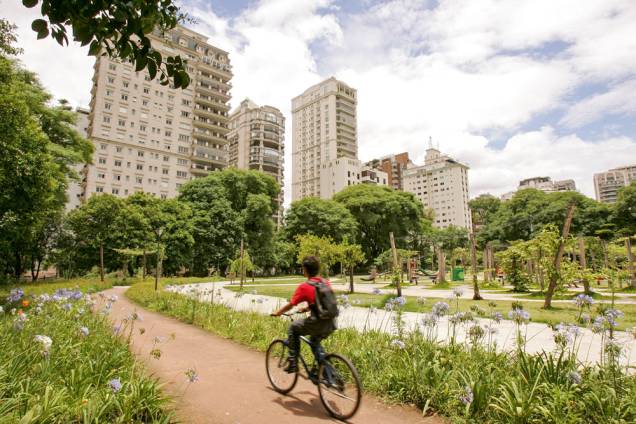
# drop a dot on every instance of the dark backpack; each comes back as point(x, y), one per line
point(326, 304)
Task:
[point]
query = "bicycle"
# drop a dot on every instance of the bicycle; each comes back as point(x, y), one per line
point(334, 375)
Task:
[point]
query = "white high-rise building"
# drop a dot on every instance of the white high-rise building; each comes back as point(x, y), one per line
point(442, 185)
point(607, 184)
point(257, 141)
point(324, 136)
point(153, 138)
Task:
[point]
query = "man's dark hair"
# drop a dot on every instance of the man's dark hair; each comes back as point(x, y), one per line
point(311, 264)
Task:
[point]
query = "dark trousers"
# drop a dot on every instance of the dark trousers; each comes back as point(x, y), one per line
point(317, 328)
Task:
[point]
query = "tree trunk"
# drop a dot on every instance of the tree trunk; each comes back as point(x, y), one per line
point(398, 286)
point(583, 262)
point(557, 259)
point(485, 264)
point(605, 255)
point(441, 266)
point(630, 261)
point(101, 260)
point(351, 279)
point(473, 258)
point(37, 269)
point(158, 269)
point(540, 271)
point(242, 264)
point(143, 266)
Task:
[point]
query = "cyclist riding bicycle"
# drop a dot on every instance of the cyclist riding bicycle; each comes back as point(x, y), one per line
point(319, 324)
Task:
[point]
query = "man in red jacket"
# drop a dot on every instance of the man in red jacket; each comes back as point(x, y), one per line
point(317, 328)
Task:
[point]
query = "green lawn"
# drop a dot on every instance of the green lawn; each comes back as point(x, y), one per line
point(561, 312)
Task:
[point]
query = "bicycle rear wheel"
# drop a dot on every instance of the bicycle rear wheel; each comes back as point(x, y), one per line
point(275, 363)
point(339, 386)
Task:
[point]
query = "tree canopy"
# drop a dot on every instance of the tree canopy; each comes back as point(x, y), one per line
point(379, 211)
point(116, 28)
point(39, 146)
point(320, 217)
point(228, 206)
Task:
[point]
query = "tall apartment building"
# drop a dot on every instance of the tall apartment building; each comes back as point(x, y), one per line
point(154, 138)
point(74, 190)
point(544, 184)
point(324, 129)
point(257, 141)
point(394, 166)
point(607, 184)
point(442, 185)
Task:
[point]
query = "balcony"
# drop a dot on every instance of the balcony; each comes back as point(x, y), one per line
point(210, 135)
point(217, 100)
point(212, 90)
point(211, 125)
point(209, 112)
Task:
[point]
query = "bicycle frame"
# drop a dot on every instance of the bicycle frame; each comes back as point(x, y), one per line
point(319, 356)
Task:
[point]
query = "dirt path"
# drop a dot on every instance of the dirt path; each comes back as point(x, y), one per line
point(232, 386)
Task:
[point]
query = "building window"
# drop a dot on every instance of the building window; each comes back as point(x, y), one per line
point(182, 174)
point(168, 133)
point(112, 66)
point(183, 149)
point(183, 137)
point(140, 167)
point(116, 177)
point(185, 114)
point(166, 158)
point(125, 84)
point(164, 171)
point(107, 119)
point(118, 163)
point(168, 121)
point(107, 106)
point(144, 102)
point(146, 90)
point(102, 161)
point(124, 97)
point(101, 175)
point(121, 123)
point(140, 154)
point(99, 189)
point(182, 162)
point(115, 191)
point(111, 80)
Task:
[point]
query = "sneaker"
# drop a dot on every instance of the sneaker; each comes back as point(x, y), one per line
point(292, 366)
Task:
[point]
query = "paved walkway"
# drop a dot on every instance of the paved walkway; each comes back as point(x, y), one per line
point(232, 386)
point(539, 337)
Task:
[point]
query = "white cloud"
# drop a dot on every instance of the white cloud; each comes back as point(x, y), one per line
point(540, 153)
point(619, 100)
point(453, 69)
point(65, 71)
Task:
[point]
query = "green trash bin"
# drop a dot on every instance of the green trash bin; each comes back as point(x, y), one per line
point(458, 274)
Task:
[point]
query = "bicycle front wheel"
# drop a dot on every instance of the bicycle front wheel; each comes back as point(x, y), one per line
point(275, 363)
point(339, 386)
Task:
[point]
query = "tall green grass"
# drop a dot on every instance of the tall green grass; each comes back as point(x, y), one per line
point(87, 374)
point(468, 384)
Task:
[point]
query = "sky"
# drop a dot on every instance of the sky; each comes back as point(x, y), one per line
point(513, 88)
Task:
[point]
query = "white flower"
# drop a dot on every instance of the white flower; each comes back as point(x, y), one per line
point(45, 341)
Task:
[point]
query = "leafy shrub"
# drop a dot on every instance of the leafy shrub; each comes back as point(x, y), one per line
point(61, 363)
